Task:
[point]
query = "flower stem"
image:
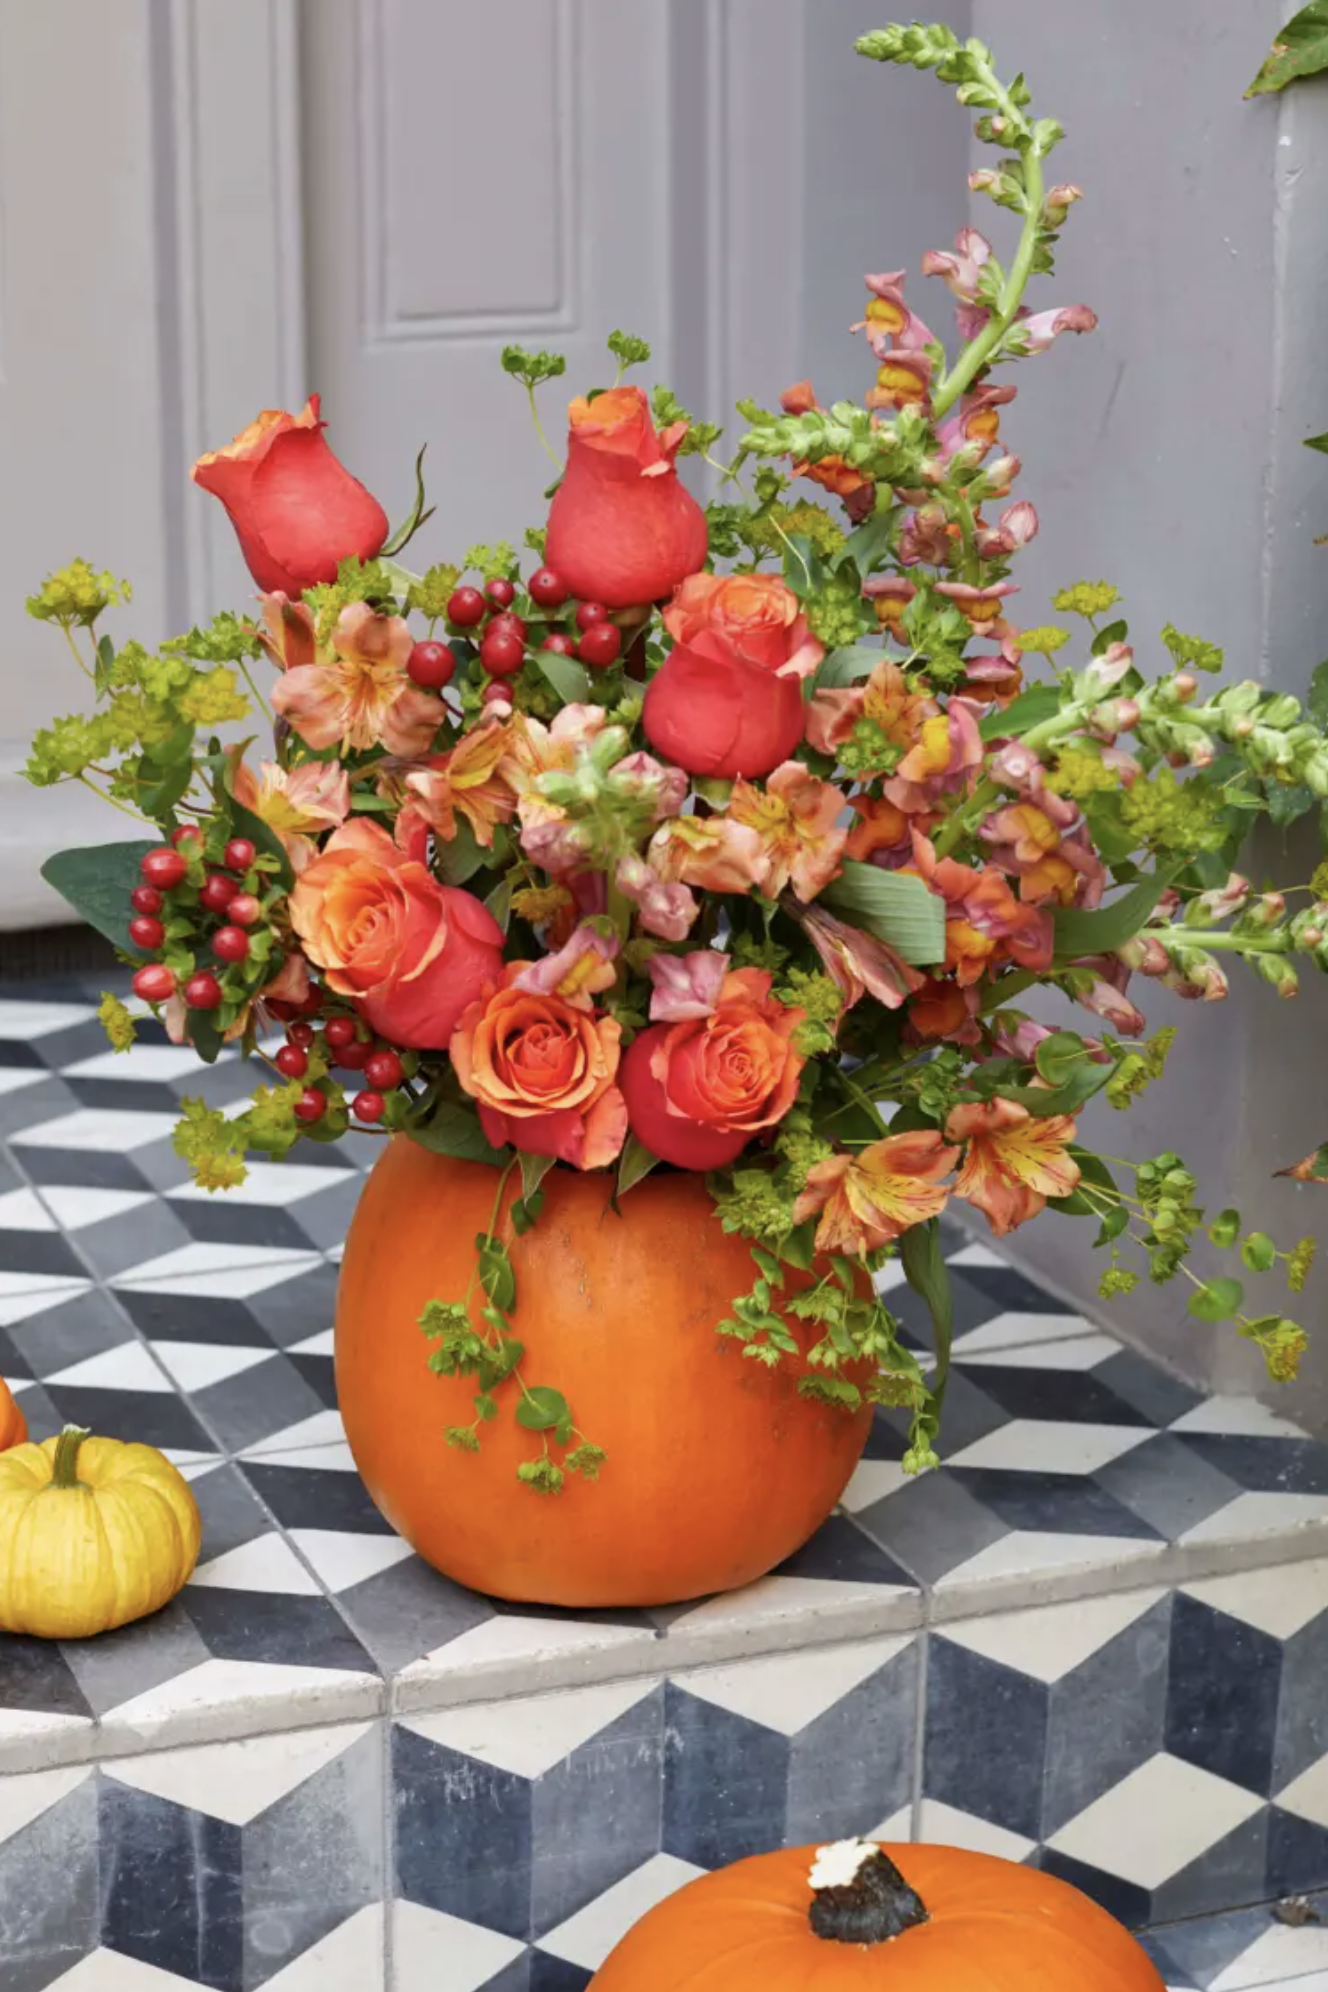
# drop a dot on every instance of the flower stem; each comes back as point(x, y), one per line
point(550, 451)
point(975, 356)
point(79, 658)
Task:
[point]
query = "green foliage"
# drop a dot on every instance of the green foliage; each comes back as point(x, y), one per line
point(74, 596)
point(530, 369)
point(1301, 49)
point(897, 909)
point(1192, 653)
point(628, 350)
point(429, 595)
point(493, 562)
point(1088, 599)
point(96, 880)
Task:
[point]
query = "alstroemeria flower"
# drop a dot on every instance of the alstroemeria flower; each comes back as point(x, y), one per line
point(885, 699)
point(360, 696)
point(903, 380)
point(832, 473)
point(881, 832)
point(888, 322)
point(297, 803)
point(858, 964)
point(663, 907)
point(578, 972)
point(865, 1200)
point(976, 423)
point(467, 781)
point(713, 853)
point(796, 817)
point(686, 986)
point(288, 631)
point(534, 749)
point(1034, 331)
point(1013, 1162)
point(943, 1011)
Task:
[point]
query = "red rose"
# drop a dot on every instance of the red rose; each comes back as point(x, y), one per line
point(296, 511)
point(622, 529)
point(697, 1091)
point(727, 700)
point(412, 954)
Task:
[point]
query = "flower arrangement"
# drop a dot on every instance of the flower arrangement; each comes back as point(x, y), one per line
point(725, 839)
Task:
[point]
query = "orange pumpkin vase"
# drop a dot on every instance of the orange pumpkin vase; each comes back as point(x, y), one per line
point(13, 1425)
point(845, 1919)
point(716, 1468)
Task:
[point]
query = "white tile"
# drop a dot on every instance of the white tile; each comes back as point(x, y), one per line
point(128, 1366)
point(1278, 1601)
point(898, 1828)
point(528, 1737)
point(1012, 1331)
point(21, 1021)
point(236, 1781)
point(1307, 1795)
point(1049, 1641)
point(348, 1959)
point(25, 1796)
point(873, 1480)
point(269, 1184)
point(75, 1206)
point(13, 1078)
point(787, 1691)
point(342, 1558)
point(421, 1938)
point(22, 1210)
point(314, 1345)
point(945, 1826)
point(507, 1636)
point(193, 1260)
point(978, 1255)
point(1156, 1822)
point(587, 1938)
point(1239, 1417)
point(1294, 1960)
point(1076, 1352)
point(112, 1971)
point(1259, 1514)
point(1037, 1445)
point(17, 1286)
point(889, 1276)
point(152, 1062)
point(317, 1433)
point(195, 1365)
point(1025, 1551)
point(266, 1564)
point(243, 1278)
point(22, 1306)
point(117, 1131)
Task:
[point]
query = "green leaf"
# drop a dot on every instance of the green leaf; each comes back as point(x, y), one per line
point(628, 349)
point(534, 1168)
point(455, 1130)
point(1217, 1300)
point(846, 666)
point(1113, 1223)
point(1093, 1174)
point(1316, 702)
point(260, 835)
point(1106, 928)
point(1301, 49)
point(900, 911)
point(1311, 443)
point(541, 1408)
point(1067, 1098)
point(1059, 1056)
point(923, 1261)
point(496, 1275)
point(1258, 1252)
point(1225, 1228)
point(97, 880)
point(460, 857)
point(569, 679)
point(635, 1163)
point(1032, 708)
point(416, 516)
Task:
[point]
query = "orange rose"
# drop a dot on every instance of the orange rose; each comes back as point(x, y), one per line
point(728, 698)
point(543, 1072)
point(697, 1091)
point(410, 952)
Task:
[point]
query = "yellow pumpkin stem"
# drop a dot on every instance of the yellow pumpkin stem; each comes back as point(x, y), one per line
point(871, 1906)
point(64, 1467)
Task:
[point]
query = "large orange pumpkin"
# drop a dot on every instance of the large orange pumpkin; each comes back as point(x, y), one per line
point(13, 1425)
point(960, 1922)
point(716, 1470)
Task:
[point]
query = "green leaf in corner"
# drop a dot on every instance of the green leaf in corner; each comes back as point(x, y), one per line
point(97, 880)
point(455, 1130)
point(569, 679)
point(416, 516)
point(901, 911)
point(1106, 928)
point(635, 1163)
point(1301, 49)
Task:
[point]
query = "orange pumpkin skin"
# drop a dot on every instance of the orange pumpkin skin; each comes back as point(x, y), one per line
point(13, 1425)
point(993, 1927)
point(716, 1469)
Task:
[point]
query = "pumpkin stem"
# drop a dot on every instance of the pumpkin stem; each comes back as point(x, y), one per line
point(859, 1895)
point(64, 1467)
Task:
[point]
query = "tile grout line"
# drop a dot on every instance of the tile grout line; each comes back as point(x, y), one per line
point(920, 1733)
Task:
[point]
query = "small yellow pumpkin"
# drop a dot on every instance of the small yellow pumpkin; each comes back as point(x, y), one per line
point(93, 1533)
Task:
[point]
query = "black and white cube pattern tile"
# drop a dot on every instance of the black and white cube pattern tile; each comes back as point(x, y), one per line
point(1246, 1949)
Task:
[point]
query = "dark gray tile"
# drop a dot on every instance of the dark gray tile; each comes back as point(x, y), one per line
point(1107, 1717)
point(931, 1526)
point(1222, 1698)
point(985, 1745)
point(1167, 1485)
point(48, 1880)
point(245, 1409)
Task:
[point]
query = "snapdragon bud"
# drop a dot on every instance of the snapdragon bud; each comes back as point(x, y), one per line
point(1280, 972)
point(609, 746)
point(1185, 685)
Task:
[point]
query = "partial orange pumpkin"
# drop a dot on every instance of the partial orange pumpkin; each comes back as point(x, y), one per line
point(13, 1425)
point(911, 1919)
point(717, 1469)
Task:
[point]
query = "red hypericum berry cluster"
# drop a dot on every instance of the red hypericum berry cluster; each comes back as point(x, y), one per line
point(600, 645)
point(500, 592)
point(163, 871)
point(431, 665)
point(503, 646)
point(548, 589)
point(466, 607)
point(348, 1049)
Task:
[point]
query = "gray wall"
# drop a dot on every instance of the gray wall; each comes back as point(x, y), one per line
point(1165, 454)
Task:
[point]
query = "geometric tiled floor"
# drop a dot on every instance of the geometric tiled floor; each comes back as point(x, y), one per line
point(1115, 1593)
